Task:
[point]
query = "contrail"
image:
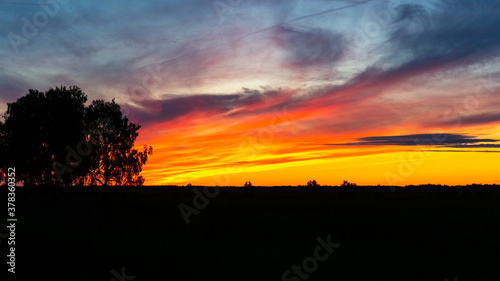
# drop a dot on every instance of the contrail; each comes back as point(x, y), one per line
point(269, 28)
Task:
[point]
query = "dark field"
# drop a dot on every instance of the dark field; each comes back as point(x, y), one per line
point(418, 233)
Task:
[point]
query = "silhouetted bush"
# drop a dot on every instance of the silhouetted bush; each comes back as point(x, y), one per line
point(312, 183)
point(346, 183)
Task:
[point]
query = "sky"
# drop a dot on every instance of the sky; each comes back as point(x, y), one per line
point(277, 92)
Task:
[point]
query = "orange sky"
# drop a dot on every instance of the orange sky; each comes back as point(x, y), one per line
point(288, 145)
point(281, 92)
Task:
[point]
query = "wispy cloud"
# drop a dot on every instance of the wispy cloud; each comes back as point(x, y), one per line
point(445, 140)
point(205, 81)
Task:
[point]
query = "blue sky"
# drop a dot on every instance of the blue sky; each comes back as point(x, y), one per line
point(343, 70)
point(106, 47)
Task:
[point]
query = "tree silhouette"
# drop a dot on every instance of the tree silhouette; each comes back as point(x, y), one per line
point(37, 128)
point(346, 183)
point(113, 160)
point(52, 138)
point(3, 144)
point(312, 183)
point(247, 184)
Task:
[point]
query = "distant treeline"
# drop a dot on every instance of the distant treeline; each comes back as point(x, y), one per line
point(427, 190)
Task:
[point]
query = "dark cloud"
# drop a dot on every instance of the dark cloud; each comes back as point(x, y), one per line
point(169, 109)
point(454, 32)
point(488, 145)
point(481, 118)
point(410, 12)
point(447, 140)
point(493, 151)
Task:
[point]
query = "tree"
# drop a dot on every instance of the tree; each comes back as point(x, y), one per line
point(2, 150)
point(52, 138)
point(248, 184)
point(37, 129)
point(113, 160)
point(312, 183)
point(346, 183)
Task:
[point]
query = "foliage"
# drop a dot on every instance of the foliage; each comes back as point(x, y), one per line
point(346, 183)
point(37, 128)
point(312, 183)
point(113, 160)
point(52, 138)
point(248, 184)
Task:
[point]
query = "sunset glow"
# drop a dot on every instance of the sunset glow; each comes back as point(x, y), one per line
point(282, 92)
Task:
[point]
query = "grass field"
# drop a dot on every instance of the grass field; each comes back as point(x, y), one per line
point(417, 233)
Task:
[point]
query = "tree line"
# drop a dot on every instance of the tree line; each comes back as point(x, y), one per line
point(53, 138)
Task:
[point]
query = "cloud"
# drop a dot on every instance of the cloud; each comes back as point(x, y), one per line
point(174, 107)
point(410, 12)
point(310, 47)
point(455, 32)
point(483, 118)
point(489, 145)
point(446, 140)
point(423, 39)
point(491, 151)
point(117, 45)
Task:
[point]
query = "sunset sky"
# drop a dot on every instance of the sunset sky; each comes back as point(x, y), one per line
point(278, 92)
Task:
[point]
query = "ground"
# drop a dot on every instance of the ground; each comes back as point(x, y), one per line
point(424, 233)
